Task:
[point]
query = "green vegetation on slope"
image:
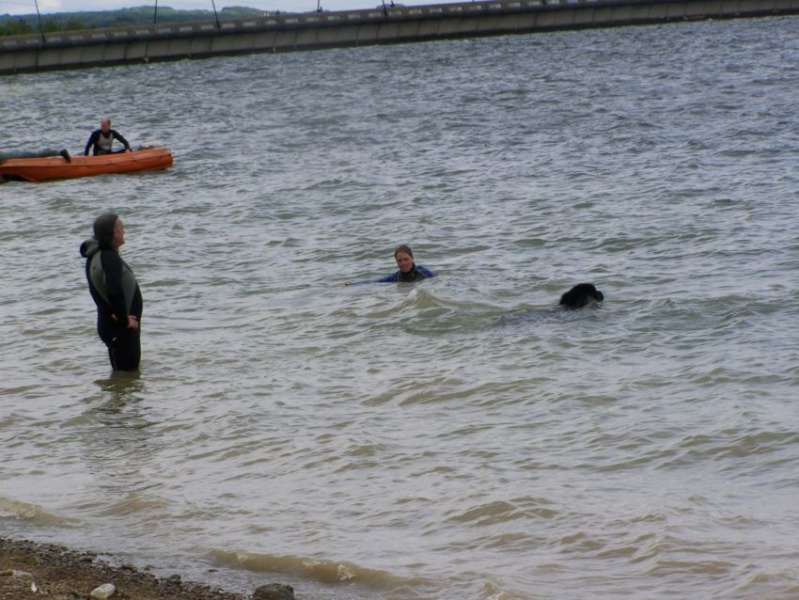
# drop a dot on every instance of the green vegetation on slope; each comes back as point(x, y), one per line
point(126, 17)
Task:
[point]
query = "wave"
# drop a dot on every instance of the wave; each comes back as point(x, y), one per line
point(323, 571)
point(32, 514)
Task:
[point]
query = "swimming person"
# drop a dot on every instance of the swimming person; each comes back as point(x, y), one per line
point(102, 139)
point(408, 270)
point(115, 291)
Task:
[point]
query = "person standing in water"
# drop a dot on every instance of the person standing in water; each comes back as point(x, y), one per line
point(102, 139)
point(115, 291)
point(408, 270)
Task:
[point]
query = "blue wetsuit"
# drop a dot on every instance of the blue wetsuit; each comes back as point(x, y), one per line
point(417, 273)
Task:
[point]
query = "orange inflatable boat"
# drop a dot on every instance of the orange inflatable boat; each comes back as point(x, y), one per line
point(59, 167)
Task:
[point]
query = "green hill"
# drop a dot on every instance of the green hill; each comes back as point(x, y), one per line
point(126, 17)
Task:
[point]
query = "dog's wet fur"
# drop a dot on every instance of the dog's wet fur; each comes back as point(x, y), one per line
point(581, 295)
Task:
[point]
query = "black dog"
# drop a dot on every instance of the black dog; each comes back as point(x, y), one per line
point(580, 295)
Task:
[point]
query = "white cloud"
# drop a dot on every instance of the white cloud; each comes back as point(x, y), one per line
point(50, 6)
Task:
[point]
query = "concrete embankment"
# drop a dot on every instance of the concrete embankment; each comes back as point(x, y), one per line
point(310, 31)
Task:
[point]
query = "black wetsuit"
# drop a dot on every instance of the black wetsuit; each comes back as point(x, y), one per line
point(116, 293)
point(41, 154)
point(102, 142)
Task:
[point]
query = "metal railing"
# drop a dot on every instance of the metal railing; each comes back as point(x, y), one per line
point(290, 20)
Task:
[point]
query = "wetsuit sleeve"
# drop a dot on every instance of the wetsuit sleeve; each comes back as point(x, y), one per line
point(425, 271)
point(394, 277)
point(138, 304)
point(112, 267)
point(90, 143)
point(118, 136)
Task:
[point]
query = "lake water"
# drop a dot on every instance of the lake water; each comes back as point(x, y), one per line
point(459, 438)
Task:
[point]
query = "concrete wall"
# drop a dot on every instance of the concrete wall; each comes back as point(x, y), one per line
point(308, 31)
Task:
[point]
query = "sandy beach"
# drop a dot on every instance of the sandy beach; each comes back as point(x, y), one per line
point(29, 570)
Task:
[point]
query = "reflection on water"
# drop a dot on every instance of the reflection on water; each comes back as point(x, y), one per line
point(121, 386)
point(116, 433)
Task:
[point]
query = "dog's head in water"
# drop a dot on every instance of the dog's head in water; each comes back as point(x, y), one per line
point(580, 295)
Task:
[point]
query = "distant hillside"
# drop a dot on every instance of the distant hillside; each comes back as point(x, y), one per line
point(140, 15)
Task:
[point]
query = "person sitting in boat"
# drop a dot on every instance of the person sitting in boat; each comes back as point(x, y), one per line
point(408, 270)
point(102, 139)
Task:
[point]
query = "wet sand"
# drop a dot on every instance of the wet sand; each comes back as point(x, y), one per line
point(62, 574)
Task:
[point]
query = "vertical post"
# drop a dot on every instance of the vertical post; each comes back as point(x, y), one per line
point(155, 13)
point(216, 16)
point(39, 15)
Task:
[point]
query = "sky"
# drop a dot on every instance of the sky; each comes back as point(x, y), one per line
point(26, 7)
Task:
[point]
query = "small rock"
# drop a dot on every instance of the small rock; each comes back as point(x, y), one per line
point(104, 591)
point(273, 591)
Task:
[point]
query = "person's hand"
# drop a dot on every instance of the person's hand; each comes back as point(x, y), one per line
point(133, 322)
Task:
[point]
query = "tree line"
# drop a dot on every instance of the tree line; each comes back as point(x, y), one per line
point(22, 26)
point(126, 17)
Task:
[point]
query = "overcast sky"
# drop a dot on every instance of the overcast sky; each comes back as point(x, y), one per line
point(20, 7)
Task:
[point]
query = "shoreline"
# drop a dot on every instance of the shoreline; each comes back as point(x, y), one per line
point(61, 573)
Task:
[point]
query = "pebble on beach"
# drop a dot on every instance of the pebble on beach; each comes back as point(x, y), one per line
point(274, 591)
point(104, 591)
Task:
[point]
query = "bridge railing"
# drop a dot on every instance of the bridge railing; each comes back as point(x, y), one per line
point(287, 21)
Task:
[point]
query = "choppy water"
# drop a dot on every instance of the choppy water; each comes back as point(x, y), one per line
point(459, 438)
